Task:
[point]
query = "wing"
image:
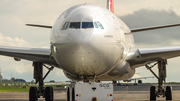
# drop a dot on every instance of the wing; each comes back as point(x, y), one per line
point(31, 54)
point(153, 28)
point(141, 78)
point(42, 26)
point(139, 57)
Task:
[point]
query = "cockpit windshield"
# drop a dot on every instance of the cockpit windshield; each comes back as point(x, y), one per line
point(75, 25)
point(87, 25)
point(83, 25)
point(95, 24)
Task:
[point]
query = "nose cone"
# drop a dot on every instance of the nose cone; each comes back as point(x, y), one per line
point(80, 59)
point(81, 37)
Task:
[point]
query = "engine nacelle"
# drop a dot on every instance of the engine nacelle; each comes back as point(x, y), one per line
point(122, 71)
point(140, 81)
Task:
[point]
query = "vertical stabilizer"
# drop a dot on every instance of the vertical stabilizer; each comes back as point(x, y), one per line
point(110, 5)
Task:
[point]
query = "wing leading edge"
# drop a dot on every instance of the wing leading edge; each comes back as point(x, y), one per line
point(42, 26)
point(141, 78)
point(31, 54)
point(142, 56)
point(153, 27)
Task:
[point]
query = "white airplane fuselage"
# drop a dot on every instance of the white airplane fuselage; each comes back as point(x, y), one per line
point(86, 53)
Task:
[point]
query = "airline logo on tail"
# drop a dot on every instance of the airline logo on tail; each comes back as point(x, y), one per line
point(110, 5)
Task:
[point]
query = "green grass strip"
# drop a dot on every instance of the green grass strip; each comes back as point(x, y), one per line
point(3, 89)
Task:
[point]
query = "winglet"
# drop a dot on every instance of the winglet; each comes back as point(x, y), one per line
point(110, 5)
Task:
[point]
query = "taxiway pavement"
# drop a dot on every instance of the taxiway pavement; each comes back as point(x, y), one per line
point(123, 92)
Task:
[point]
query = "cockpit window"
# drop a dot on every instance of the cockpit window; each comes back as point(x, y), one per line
point(100, 25)
point(87, 25)
point(65, 26)
point(75, 25)
point(95, 24)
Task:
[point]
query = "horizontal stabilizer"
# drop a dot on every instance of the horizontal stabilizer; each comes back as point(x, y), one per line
point(43, 26)
point(152, 28)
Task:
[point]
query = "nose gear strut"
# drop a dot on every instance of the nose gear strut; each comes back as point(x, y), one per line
point(34, 92)
point(161, 79)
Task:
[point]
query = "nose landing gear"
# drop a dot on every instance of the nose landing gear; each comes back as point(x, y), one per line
point(37, 92)
point(161, 78)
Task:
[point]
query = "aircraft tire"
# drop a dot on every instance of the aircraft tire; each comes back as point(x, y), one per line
point(68, 93)
point(33, 94)
point(52, 93)
point(49, 94)
point(168, 93)
point(73, 94)
point(153, 93)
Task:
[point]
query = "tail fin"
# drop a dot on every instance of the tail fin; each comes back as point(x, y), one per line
point(110, 5)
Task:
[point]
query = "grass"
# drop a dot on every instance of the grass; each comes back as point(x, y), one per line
point(8, 86)
point(7, 89)
point(22, 88)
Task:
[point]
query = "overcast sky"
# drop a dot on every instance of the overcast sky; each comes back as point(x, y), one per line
point(135, 13)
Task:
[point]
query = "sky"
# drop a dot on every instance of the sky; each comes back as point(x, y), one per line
point(135, 13)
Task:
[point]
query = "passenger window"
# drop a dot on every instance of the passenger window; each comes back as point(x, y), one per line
point(100, 25)
point(65, 26)
point(75, 25)
point(95, 24)
point(87, 25)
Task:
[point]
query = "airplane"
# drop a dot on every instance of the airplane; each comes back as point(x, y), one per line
point(0, 75)
point(89, 42)
point(132, 79)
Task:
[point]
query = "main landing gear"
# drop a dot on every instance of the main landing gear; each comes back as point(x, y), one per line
point(135, 84)
point(37, 92)
point(161, 91)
